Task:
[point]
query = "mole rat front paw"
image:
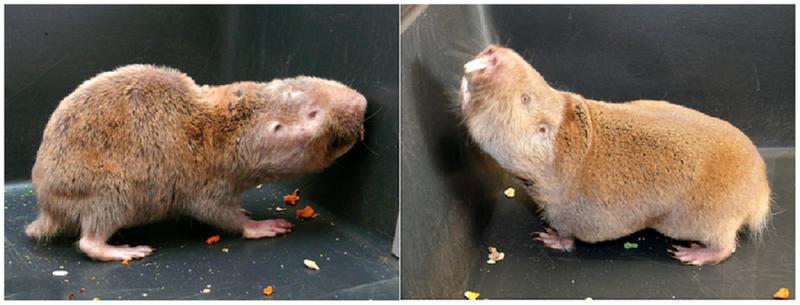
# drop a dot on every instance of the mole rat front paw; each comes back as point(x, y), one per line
point(265, 228)
point(553, 240)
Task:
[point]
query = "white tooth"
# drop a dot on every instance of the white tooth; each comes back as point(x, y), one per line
point(464, 90)
point(474, 65)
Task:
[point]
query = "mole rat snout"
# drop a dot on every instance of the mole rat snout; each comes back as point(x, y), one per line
point(357, 102)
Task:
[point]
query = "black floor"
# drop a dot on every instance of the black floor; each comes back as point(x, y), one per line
point(355, 263)
point(608, 270)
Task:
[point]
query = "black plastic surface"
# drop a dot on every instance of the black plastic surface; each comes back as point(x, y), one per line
point(50, 50)
point(355, 263)
point(699, 56)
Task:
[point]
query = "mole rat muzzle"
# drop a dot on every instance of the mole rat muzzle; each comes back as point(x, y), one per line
point(480, 74)
point(348, 125)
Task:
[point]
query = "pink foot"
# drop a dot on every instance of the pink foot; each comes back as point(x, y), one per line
point(254, 229)
point(553, 240)
point(698, 255)
point(99, 250)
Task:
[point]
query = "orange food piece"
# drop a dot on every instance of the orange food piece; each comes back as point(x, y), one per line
point(268, 290)
point(306, 212)
point(125, 262)
point(292, 198)
point(781, 294)
point(212, 240)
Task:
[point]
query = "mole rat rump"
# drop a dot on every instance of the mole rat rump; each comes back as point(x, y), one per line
point(140, 143)
point(601, 171)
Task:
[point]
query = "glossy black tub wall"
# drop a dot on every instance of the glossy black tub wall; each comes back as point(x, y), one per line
point(445, 181)
point(732, 62)
point(50, 50)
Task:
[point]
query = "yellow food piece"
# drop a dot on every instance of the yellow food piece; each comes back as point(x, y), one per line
point(781, 294)
point(310, 264)
point(509, 192)
point(268, 290)
point(471, 295)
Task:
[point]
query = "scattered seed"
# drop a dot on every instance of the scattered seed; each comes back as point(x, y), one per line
point(60, 273)
point(310, 264)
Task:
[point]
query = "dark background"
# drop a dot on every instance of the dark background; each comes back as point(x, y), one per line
point(50, 50)
point(732, 62)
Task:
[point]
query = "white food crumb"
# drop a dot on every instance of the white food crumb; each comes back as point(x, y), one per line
point(60, 273)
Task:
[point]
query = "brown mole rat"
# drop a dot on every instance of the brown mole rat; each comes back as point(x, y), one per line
point(600, 171)
point(141, 143)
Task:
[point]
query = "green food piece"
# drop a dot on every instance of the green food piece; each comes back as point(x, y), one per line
point(629, 246)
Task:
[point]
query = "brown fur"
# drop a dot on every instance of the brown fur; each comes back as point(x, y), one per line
point(601, 171)
point(141, 143)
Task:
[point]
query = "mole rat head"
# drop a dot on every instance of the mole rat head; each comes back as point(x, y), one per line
point(504, 100)
point(303, 124)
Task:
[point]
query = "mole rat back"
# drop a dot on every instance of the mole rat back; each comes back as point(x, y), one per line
point(140, 143)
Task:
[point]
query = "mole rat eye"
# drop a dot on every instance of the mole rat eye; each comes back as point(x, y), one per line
point(525, 99)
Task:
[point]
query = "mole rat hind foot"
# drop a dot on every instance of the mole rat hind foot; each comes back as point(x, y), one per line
point(97, 249)
point(697, 254)
point(553, 240)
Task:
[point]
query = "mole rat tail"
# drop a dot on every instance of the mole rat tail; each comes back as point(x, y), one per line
point(759, 220)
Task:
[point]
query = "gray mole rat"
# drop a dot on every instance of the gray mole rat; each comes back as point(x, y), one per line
point(601, 171)
point(141, 143)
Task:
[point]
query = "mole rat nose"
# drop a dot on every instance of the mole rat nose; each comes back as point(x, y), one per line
point(359, 102)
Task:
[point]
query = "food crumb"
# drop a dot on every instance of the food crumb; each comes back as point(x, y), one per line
point(781, 294)
point(280, 209)
point(259, 186)
point(471, 295)
point(225, 250)
point(629, 245)
point(95, 299)
point(268, 290)
point(205, 291)
point(125, 262)
point(509, 192)
point(212, 240)
point(306, 212)
point(60, 273)
point(292, 198)
point(588, 298)
point(310, 264)
point(495, 256)
point(83, 290)
point(72, 297)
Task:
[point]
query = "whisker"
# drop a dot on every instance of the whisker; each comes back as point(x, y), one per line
point(370, 149)
point(373, 114)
